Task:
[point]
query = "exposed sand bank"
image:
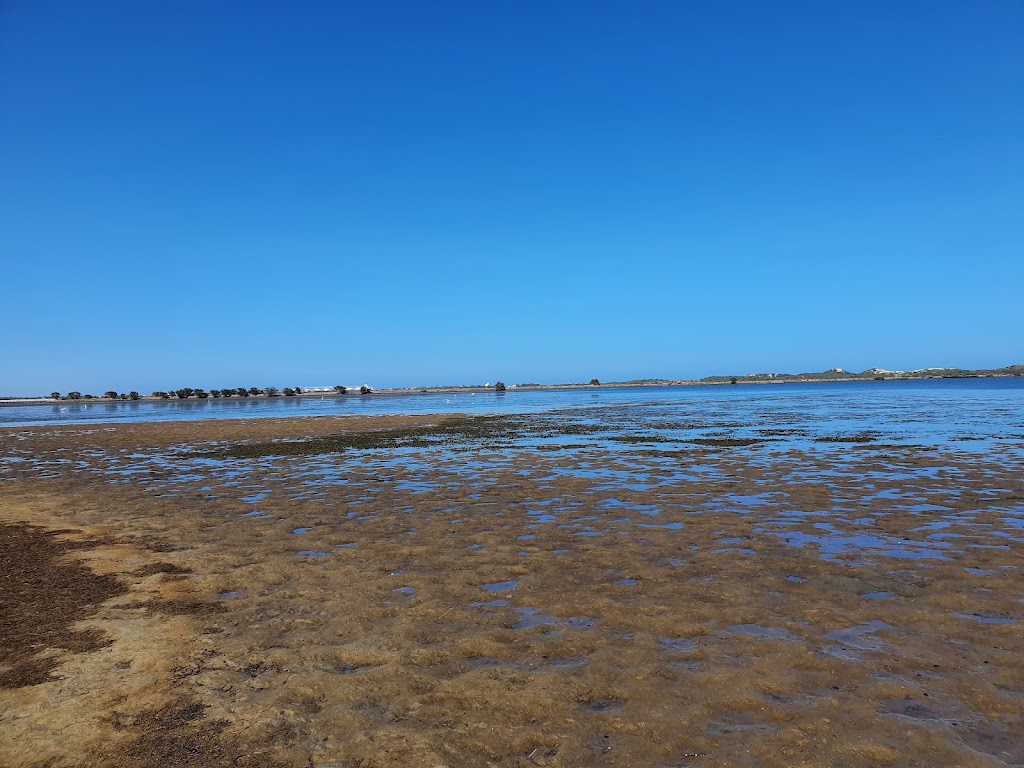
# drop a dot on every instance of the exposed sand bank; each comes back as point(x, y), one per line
point(505, 602)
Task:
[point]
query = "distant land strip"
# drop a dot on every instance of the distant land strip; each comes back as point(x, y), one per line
point(832, 374)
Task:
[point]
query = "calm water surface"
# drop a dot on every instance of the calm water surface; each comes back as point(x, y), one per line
point(951, 406)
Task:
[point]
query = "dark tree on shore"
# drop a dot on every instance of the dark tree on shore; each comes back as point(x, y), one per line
point(227, 393)
point(55, 395)
point(111, 394)
point(365, 390)
point(242, 392)
point(340, 390)
point(123, 396)
point(298, 390)
point(289, 392)
point(215, 392)
point(255, 391)
point(162, 395)
point(270, 391)
point(595, 383)
point(499, 387)
point(202, 393)
point(74, 395)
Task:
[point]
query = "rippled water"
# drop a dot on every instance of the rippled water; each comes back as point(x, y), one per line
point(953, 404)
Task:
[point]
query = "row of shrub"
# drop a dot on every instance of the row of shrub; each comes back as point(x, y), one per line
point(109, 394)
point(187, 392)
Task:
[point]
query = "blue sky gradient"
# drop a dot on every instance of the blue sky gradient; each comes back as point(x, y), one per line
point(403, 193)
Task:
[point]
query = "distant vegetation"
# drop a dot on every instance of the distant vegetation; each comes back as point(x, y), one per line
point(186, 393)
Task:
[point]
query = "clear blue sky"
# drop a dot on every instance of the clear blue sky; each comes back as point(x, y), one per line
point(254, 193)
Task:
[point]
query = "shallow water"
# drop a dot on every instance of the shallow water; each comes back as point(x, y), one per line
point(845, 408)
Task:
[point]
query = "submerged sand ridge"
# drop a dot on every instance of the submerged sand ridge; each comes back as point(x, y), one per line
point(605, 587)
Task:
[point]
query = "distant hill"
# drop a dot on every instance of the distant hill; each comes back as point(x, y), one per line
point(838, 374)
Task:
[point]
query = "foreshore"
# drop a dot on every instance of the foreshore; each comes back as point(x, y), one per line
point(523, 388)
point(505, 591)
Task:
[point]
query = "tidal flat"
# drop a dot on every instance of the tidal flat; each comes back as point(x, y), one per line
point(633, 585)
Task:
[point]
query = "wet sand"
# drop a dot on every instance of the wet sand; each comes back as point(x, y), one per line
point(516, 591)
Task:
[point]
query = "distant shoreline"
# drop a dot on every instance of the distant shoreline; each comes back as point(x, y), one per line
point(1010, 372)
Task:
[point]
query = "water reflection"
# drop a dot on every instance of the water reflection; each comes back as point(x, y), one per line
point(850, 408)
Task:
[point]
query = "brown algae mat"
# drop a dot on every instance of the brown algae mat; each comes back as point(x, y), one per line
point(513, 591)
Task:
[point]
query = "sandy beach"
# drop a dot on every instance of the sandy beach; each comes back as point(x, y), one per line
point(506, 591)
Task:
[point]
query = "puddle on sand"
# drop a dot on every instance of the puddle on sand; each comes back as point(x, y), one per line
point(667, 526)
point(919, 710)
point(605, 705)
point(532, 617)
point(832, 544)
point(491, 604)
point(299, 531)
point(759, 500)
point(500, 586)
point(770, 633)
point(680, 644)
point(313, 553)
point(984, 619)
point(859, 638)
point(575, 662)
point(542, 517)
point(994, 739)
point(487, 662)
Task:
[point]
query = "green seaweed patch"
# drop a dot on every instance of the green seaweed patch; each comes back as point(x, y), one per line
point(640, 439)
point(560, 447)
point(889, 447)
point(446, 434)
point(558, 430)
point(863, 437)
point(453, 434)
point(727, 442)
